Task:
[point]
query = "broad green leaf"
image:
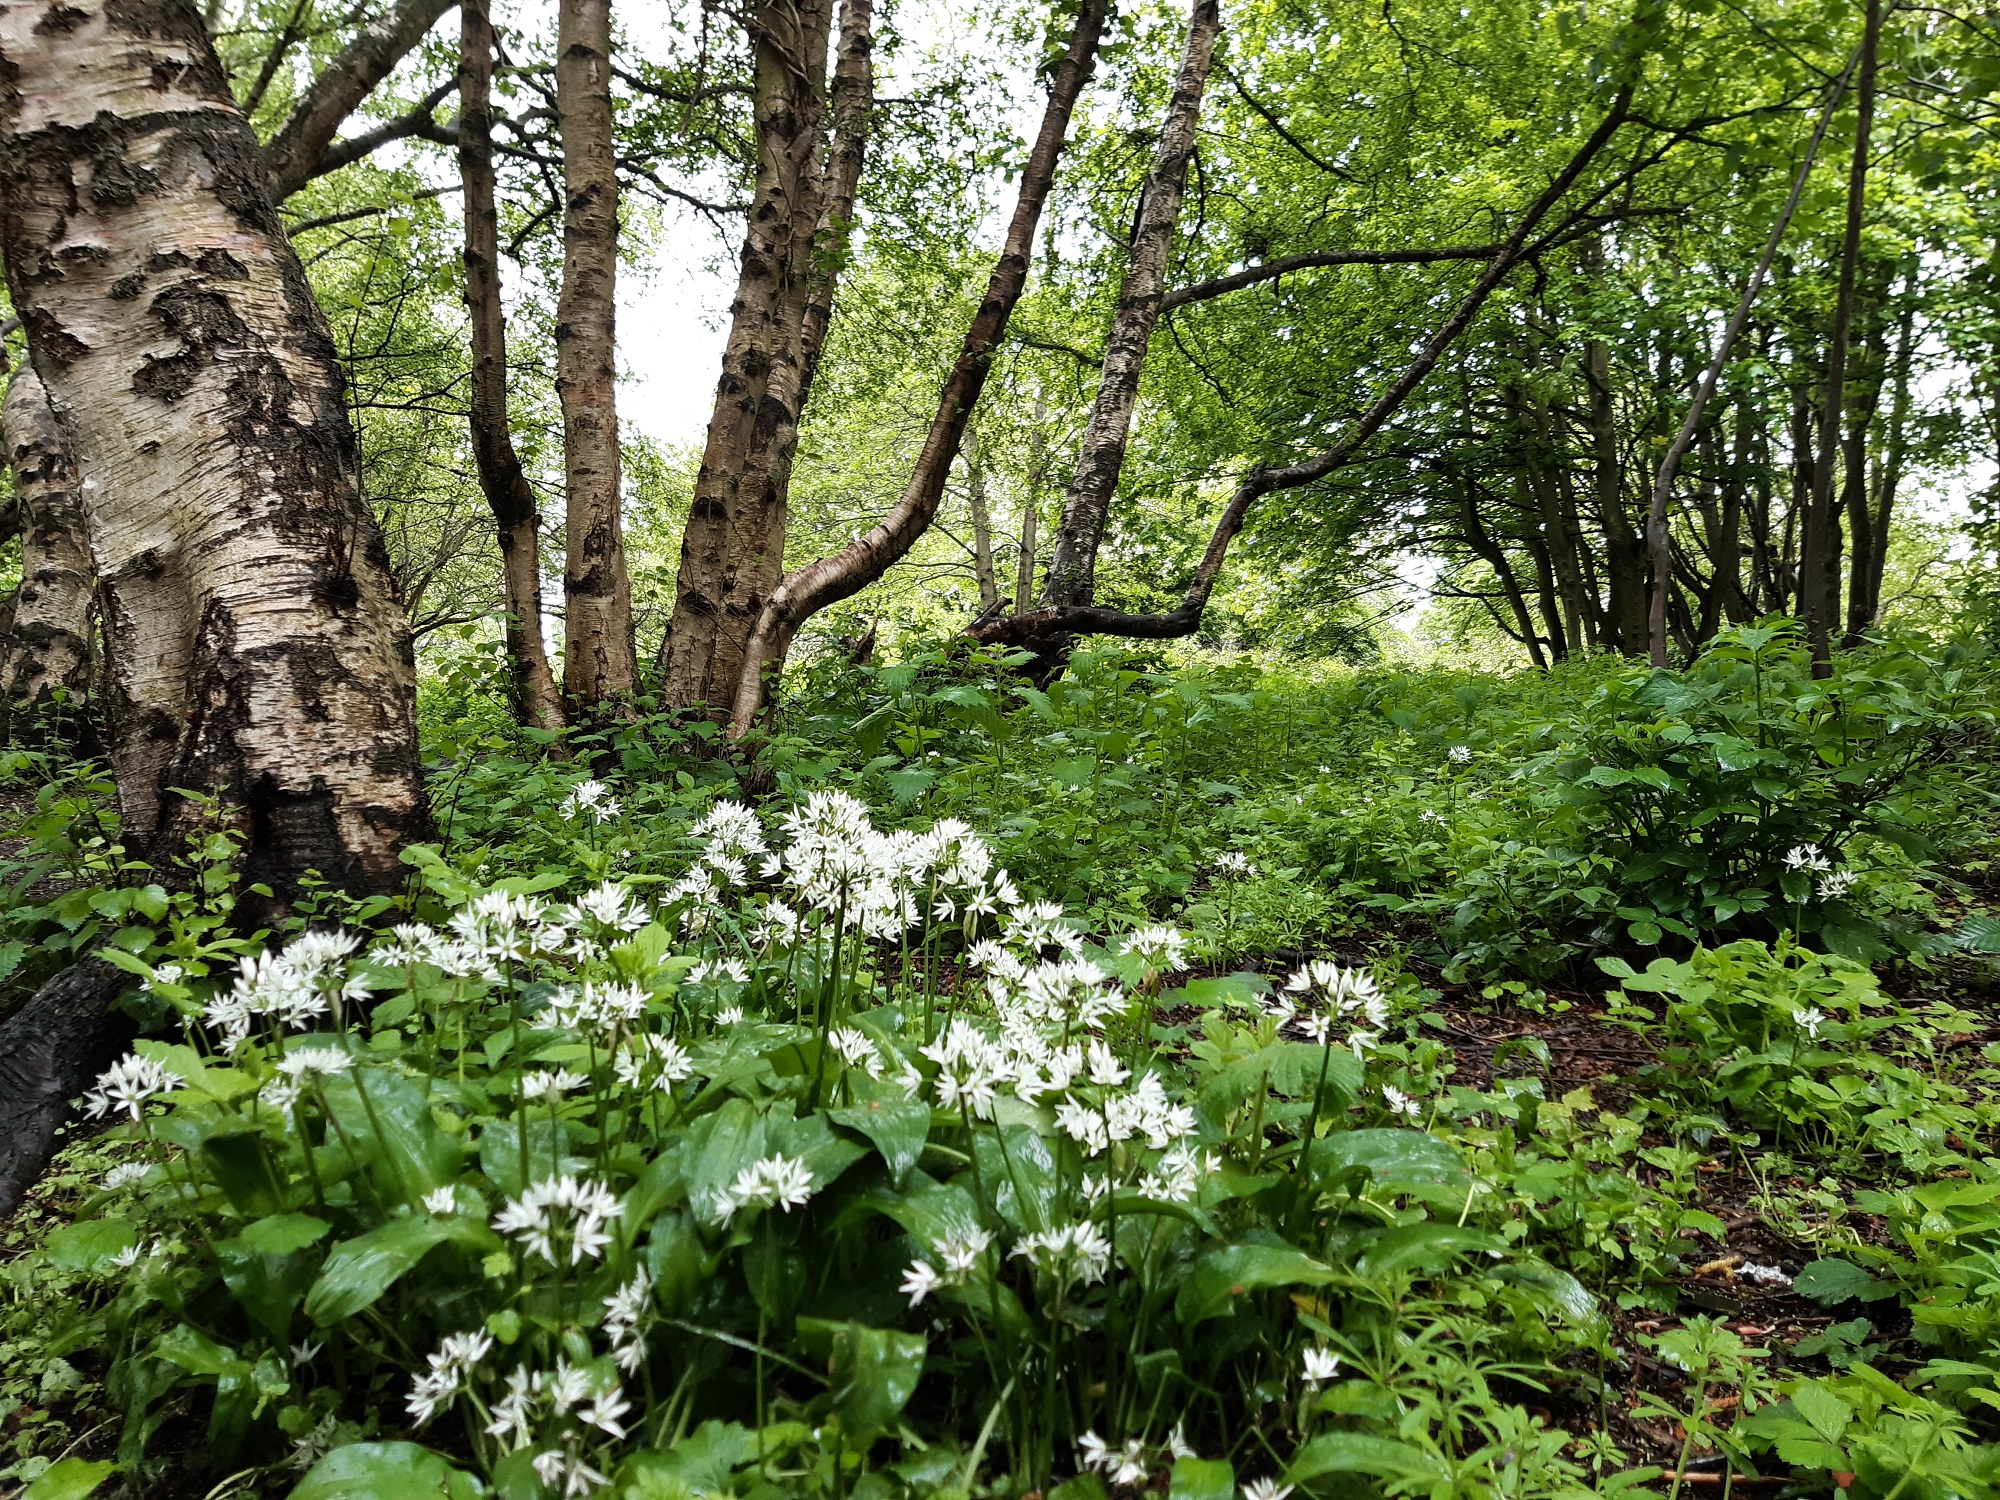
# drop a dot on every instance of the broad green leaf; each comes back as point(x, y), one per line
point(361, 1270)
point(899, 1129)
point(88, 1245)
point(1359, 1453)
point(268, 1282)
point(872, 1372)
point(69, 1479)
point(409, 1154)
point(1394, 1158)
point(1201, 1479)
point(717, 1147)
point(386, 1471)
point(699, 1464)
point(1215, 1283)
point(1422, 1247)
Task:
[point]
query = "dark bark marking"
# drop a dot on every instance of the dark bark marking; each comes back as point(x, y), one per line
point(220, 263)
point(60, 18)
point(51, 338)
point(204, 322)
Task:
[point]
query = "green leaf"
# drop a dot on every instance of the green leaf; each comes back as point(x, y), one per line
point(1201, 1479)
point(360, 1270)
point(1422, 1247)
point(699, 1464)
point(717, 1147)
point(69, 1479)
point(409, 1154)
point(1831, 1282)
point(874, 1371)
point(1828, 1414)
point(1358, 1453)
point(1219, 1279)
point(386, 1471)
point(898, 1128)
point(1394, 1158)
point(1552, 1285)
point(86, 1246)
point(265, 1272)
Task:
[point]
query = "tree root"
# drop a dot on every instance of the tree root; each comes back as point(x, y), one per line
point(51, 1050)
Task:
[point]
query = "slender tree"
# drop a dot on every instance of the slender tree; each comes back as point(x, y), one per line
point(599, 664)
point(1819, 576)
point(1072, 576)
point(516, 516)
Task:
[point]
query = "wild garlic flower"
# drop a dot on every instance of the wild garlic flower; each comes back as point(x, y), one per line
point(595, 1008)
point(302, 1062)
point(127, 1084)
point(624, 1320)
point(1321, 1365)
point(1400, 1103)
point(1807, 859)
point(775, 1182)
point(498, 927)
point(729, 1015)
point(166, 974)
point(590, 799)
point(1459, 754)
point(1234, 865)
point(559, 1467)
point(292, 987)
point(957, 1258)
point(125, 1175)
point(1076, 1254)
point(1106, 1071)
point(1161, 949)
point(441, 1201)
point(550, 1085)
point(305, 1351)
point(559, 1209)
point(1177, 1443)
point(652, 1061)
point(1178, 1175)
point(717, 970)
point(610, 906)
point(450, 1370)
point(281, 1094)
point(1834, 885)
point(1809, 1020)
point(1265, 1489)
point(856, 1050)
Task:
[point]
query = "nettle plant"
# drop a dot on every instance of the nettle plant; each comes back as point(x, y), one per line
point(837, 1167)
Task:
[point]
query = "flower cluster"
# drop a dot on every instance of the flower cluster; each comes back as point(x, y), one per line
point(451, 1369)
point(560, 1210)
point(307, 979)
point(127, 1084)
point(780, 1181)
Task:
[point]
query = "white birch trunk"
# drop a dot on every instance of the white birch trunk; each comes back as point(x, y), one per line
point(258, 652)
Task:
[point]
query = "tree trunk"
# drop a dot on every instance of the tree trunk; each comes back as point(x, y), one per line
point(733, 548)
point(598, 661)
point(516, 517)
point(1072, 578)
point(259, 653)
point(1864, 400)
point(1889, 473)
point(982, 526)
point(45, 661)
point(1624, 553)
point(830, 579)
point(1819, 575)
